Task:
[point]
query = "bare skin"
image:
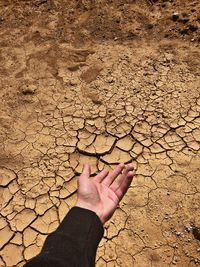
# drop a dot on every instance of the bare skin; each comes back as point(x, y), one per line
point(102, 193)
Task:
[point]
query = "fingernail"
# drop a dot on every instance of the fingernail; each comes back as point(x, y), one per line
point(130, 174)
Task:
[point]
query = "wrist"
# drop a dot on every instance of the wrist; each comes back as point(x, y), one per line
point(92, 208)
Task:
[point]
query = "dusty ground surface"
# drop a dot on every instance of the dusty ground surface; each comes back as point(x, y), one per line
point(103, 82)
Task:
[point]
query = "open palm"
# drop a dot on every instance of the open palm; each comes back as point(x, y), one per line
point(103, 192)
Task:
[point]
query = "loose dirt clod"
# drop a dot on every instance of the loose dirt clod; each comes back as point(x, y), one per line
point(28, 89)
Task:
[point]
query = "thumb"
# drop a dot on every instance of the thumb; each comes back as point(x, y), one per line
point(85, 172)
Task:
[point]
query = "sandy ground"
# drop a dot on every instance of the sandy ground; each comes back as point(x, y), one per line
point(102, 82)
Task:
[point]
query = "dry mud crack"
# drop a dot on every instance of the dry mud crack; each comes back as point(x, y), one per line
point(102, 103)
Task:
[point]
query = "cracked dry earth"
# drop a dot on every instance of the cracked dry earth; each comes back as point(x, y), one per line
point(103, 102)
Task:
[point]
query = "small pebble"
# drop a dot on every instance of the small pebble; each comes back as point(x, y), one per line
point(178, 233)
point(175, 16)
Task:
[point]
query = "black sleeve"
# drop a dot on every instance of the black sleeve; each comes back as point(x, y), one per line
point(74, 243)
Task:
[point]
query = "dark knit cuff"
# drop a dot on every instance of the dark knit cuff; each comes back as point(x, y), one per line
point(83, 224)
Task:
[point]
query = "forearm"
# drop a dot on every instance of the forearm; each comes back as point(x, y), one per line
point(74, 243)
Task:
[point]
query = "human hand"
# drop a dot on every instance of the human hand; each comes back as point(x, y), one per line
point(102, 193)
